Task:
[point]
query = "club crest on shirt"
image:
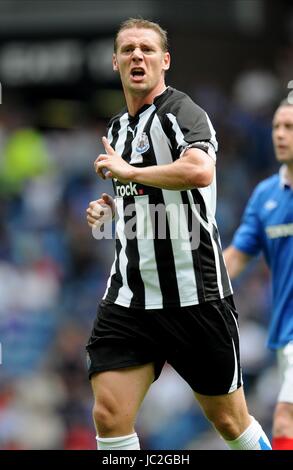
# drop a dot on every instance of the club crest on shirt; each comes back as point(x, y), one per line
point(270, 204)
point(142, 143)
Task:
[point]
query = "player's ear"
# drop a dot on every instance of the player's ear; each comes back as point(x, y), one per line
point(166, 61)
point(114, 62)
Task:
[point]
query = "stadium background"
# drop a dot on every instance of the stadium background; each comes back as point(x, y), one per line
point(235, 59)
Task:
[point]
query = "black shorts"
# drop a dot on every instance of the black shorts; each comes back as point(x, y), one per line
point(201, 343)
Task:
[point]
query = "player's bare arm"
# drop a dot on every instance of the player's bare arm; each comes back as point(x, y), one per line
point(194, 169)
point(236, 261)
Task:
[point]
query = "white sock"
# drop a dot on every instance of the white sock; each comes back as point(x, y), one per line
point(129, 442)
point(253, 438)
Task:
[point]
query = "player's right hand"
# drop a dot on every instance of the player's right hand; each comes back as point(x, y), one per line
point(100, 211)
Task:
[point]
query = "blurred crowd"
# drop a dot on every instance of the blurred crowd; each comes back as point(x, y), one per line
point(53, 273)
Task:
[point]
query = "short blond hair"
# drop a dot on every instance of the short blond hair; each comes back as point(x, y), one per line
point(143, 24)
point(285, 102)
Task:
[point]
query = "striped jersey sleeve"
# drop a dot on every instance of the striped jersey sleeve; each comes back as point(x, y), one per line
point(188, 125)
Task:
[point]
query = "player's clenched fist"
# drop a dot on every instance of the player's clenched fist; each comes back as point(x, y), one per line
point(100, 211)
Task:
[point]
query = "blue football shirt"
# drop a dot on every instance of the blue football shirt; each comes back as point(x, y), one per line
point(267, 226)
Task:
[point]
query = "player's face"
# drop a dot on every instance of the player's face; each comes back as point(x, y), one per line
point(283, 134)
point(140, 60)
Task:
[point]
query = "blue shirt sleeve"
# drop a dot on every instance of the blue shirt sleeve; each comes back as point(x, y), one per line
point(248, 237)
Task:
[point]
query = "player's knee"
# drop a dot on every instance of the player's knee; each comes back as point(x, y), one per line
point(283, 420)
point(226, 425)
point(105, 418)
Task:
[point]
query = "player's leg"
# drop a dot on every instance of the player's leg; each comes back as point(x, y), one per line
point(122, 364)
point(283, 416)
point(229, 414)
point(207, 357)
point(118, 395)
point(283, 426)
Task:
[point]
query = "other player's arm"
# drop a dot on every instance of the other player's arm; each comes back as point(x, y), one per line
point(248, 238)
point(236, 261)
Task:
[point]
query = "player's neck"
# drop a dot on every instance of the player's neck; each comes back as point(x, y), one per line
point(289, 173)
point(136, 101)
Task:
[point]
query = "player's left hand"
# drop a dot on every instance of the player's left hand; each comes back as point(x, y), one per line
point(113, 163)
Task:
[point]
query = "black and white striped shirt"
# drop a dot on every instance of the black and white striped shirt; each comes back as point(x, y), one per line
point(156, 272)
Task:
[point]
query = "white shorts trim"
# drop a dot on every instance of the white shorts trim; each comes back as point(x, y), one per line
point(285, 366)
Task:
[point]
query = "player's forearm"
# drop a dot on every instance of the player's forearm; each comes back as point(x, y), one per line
point(236, 261)
point(180, 175)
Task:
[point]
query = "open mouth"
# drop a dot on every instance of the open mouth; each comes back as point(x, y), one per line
point(137, 73)
point(281, 147)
